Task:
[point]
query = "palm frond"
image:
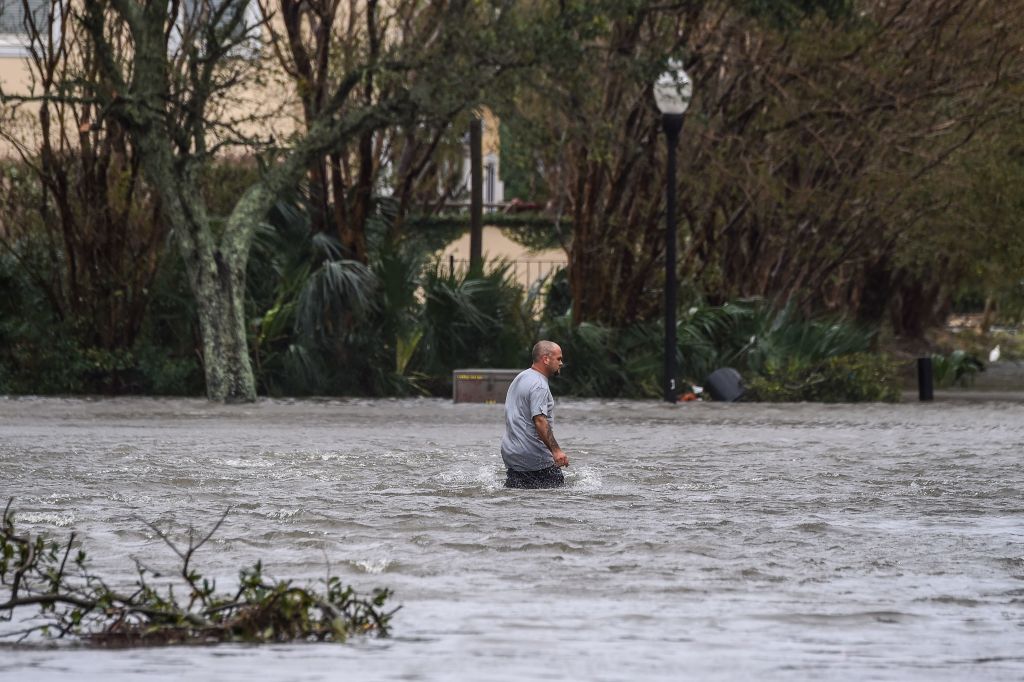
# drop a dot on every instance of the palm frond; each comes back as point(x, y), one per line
point(336, 289)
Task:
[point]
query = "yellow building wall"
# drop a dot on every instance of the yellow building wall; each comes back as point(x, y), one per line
point(528, 267)
point(15, 78)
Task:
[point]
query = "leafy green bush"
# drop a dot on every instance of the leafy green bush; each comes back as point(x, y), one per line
point(851, 378)
point(310, 309)
point(593, 364)
point(956, 369)
point(43, 354)
point(558, 295)
point(37, 351)
point(470, 322)
point(749, 336)
point(754, 337)
point(164, 372)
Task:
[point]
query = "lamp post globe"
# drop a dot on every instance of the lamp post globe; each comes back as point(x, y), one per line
point(672, 93)
point(673, 89)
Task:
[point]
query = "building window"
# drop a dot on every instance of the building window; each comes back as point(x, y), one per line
point(494, 188)
point(195, 16)
point(15, 25)
point(489, 177)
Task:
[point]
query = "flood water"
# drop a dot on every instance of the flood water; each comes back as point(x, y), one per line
point(696, 541)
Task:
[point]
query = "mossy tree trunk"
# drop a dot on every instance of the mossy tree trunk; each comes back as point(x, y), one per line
point(216, 270)
point(162, 98)
point(163, 106)
point(216, 266)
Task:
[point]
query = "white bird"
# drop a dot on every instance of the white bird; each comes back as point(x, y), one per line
point(993, 354)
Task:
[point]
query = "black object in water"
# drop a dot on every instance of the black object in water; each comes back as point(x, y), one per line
point(724, 384)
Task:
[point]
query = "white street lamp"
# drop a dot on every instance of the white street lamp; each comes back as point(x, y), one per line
point(673, 89)
point(672, 93)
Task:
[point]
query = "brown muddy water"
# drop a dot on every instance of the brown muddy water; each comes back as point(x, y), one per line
point(696, 541)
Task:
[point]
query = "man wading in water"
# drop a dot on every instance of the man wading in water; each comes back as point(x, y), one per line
point(529, 449)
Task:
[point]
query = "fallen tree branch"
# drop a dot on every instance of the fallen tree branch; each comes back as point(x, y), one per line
point(74, 601)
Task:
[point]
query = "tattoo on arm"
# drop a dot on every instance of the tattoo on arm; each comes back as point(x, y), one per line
point(546, 432)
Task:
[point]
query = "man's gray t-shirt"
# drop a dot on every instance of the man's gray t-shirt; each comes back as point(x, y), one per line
point(521, 447)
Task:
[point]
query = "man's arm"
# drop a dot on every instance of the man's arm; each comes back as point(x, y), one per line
point(547, 436)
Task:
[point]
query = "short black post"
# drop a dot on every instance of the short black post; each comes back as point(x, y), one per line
point(924, 379)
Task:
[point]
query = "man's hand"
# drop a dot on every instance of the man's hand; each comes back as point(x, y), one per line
point(547, 436)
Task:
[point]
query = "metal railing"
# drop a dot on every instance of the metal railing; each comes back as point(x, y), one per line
point(526, 271)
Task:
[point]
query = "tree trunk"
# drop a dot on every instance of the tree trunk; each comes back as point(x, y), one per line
point(217, 275)
point(220, 296)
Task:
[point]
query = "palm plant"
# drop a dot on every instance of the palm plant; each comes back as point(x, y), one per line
point(754, 337)
point(591, 365)
point(304, 295)
point(386, 340)
point(324, 324)
point(750, 336)
point(956, 369)
point(471, 321)
point(713, 337)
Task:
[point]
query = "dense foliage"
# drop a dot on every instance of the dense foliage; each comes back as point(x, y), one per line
point(781, 355)
point(958, 368)
point(851, 160)
point(847, 378)
point(398, 325)
point(325, 325)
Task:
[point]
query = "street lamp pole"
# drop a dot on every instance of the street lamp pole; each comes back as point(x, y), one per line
point(672, 124)
point(672, 93)
point(476, 198)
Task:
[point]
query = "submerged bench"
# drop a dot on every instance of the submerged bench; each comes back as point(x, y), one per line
point(481, 385)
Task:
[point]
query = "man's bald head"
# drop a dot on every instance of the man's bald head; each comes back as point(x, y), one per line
point(547, 358)
point(542, 348)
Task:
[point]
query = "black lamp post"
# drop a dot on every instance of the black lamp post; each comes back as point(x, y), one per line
point(476, 198)
point(672, 93)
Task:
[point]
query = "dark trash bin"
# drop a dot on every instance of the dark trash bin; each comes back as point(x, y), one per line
point(725, 385)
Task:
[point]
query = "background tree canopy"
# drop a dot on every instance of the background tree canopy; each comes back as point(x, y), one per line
point(823, 141)
point(243, 183)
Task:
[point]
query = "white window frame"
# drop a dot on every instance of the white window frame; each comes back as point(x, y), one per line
point(18, 44)
point(13, 45)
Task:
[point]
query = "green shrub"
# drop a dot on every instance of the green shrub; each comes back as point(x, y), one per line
point(753, 337)
point(558, 294)
point(956, 369)
point(38, 353)
point(470, 322)
point(594, 363)
point(748, 335)
point(43, 354)
point(164, 373)
point(857, 377)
